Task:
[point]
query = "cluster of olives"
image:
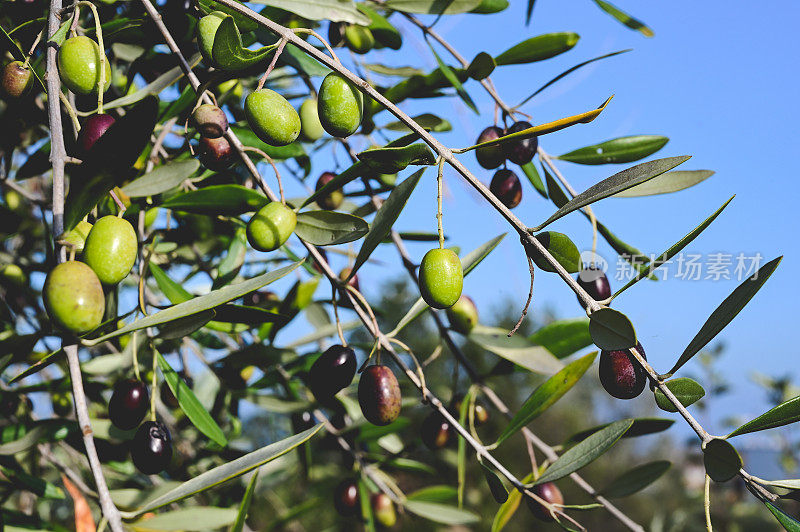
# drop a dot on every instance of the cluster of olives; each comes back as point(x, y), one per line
point(216, 153)
point(73, 290)
point(346, 501)
point(505, 184)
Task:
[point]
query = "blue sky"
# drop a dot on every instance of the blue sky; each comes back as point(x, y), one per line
point(717, 79)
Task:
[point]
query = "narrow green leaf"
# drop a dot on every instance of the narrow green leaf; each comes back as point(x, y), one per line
point(554, 191)
point(490, 7)
point(783, 414)
point(385, 218)
point(390, 160)
point(509, 508)
point(667, 183)
point(428, 121)
point(433, 7)
point(517, 349)
point(172, 290)
point(641, 427)
point(721, 460)
point(328, 228)
point(529, 169)
point(547, 394)
point(635, 479)
point(441, 513)
point(685, 390)
point(23, 481)
point(323, 332)
point(164, 178)
point(185, 326)
point(453, 79)
point(233, 261)
point(195, 519)
point(188, 402)
point(232, 200)
point(39, 366)
point(624, 18)
point(442, 493)
point(199, 304)
point(616, 183)
point(787, 521)
point(726, 311)
point(383, 31)
point(538, 48)
point(611, 330)
point(238, 525)
point(585, 452)
point(564, 337)
point(366, 507)
point(619, 150)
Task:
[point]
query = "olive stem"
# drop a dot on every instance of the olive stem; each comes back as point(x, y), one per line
point(271, 66)
point(336, 315)
point(70, 111)
point(135, 356)
point(527, 303)
point(33, 48)
point(101, 81)
point(153, 388)
point(274, 167)
point(707, 502)
point(120, 205)
point(320, 39)
point(439, 203)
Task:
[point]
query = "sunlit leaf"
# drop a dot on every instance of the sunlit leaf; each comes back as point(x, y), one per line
point(619, 150)
point(783, 414)
point(538, 48)
point(685, 390)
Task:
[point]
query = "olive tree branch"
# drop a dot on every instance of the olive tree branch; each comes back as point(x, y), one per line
point(57, 158)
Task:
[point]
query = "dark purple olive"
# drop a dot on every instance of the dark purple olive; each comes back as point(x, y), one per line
point(621, 374)
point(210, 121)
point(379, 395)
point(596, 284)
point(94, 128)
point(550, 493)
point(506, 187)
point(129, 403)
point(332, 372)
point(151, 448)
point(262, 299)
point(520, 151)
point(216, 154)
point(345, 497)
point(167, 397)
point(436, 431)
point(490, 157)
point(333, 200)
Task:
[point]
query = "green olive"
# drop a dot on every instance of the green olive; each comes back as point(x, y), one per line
point(73, 297)
point(13, 275)
point(271, 226)
point(358, 38)
point(440, 278)
point(310, 126)
point(463, 315)
point(78, 60)
point(271, 117)
point(340, 105)
point(111, 248)
point(206, 31)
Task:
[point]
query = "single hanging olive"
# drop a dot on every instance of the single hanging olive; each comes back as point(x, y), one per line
point(345, 497)
point(596, 284)
point(111, 249)
point(73, 297)
point(379, 395)
point(621, 374)
point(333, 200)
point(463, 315)
point(332, 372)
point(550, 493)
point(359, 39)
point(129, 404)
point(271, 226)
point(210, 121)
point(340, 105)
point(79, 60)
point(94, 128)
point(383, 509)
point(151, 448)
point(520, 151)
point(490, 157)
point(436, 431)
point(506, 187)
point(271, 117)
point(440, 278)
point(15, 79)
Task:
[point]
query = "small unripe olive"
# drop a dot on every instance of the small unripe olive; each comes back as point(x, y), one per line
point(151, 448)
point(387, 180)
point(310, 126)
point(332, 372)
point(440, 278)
point(206, 31)
point(520, 151)
point(340, 105)
point(271, 226)
point(73, 297)
point(490, 156)
point(333, 200)
point(94, 128)
point(210, 121)
point(111, 249)
point(506, 187)
point(596, 284)
point(621, 374)
point(271, 117)
point(15, 79)
point(379, 395)
point(129, 404)
point(62, 404)
point(13, 274)
point(436, 431)
point(216, 154)
point(358, 38)
point(463, 315)
point(550, 493)
point(345, 497)
point(79, 60)
point(383, 509)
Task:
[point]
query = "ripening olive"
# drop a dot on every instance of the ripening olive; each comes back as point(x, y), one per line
point(310, 126)
point(111, 249)
point(379, 395)
point(480, 414)
point(383, 509)
point(16, 79)
point(206, 32)
point(490, 156)
point(216, 154)
point(440, 278)
point(151, 448)
point(78, 64)
point(621, 374)
point(210, 121)
point(463, 315)
point(506, 187)
point(332, 200)
point(345, 497)
point(271, 226)
point(340, 105)
point(550, 493)
point(435, 431)
point(129, 403)
point(358, 38)
point(332, 372)
point(73, 297)
point(520, 151)
point(596, 284)
point(271, 117)
point(94, 128)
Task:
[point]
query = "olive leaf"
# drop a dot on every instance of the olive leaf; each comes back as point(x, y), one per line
point(667, 183)
point(228, 53)
point(509, 508)
point(516, 349)
point(333, 10)
point(783, 414)
point(197, 518)
point(787, 521)
point(635, 479)
point(432, 7)
point(161, 179)
point(619, 150)
point(327, 228)
point(721, 460)
point(641, 427)
point(391, 160)
point(529, 169)
point(611, 330)
point(383, 31)
point(238, 525)
point(453, 79)
point(686, 390)
point(624, 18)
point(218, 200)
point(538, 48)
point(560, 247)
point(481, 66)
point(563, 337)
point(440, 513)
